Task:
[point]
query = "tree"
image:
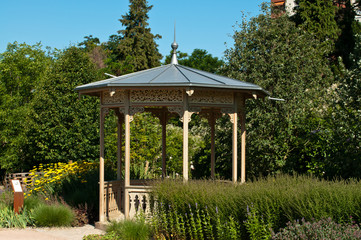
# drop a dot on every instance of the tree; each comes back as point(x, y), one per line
point(344, 121)
point(318, 17)
point(95, 50)
point(349, 28)
point(64, 127)
point(332, 22)
point(21, 68)
point(290, 64)
point(199, 59)
point(136, 47)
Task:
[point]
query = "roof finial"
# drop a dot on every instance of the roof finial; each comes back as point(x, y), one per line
point(174, 47)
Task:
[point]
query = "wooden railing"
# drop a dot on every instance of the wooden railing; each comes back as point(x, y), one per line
point(24, 178)
point(138, 196)
point(113, 192)
point(139, 200)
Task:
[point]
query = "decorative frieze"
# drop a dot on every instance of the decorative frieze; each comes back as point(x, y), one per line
point(209, 96)
point(230, 112)
point(113, 97)
point(211, 115)
point(134, 110)
point(157, 95)
point(178, 110)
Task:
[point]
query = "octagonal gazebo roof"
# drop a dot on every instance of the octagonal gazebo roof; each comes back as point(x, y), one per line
point(173, 75)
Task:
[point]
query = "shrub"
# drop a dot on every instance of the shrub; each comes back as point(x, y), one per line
point(108, 236)
point(193, 224)
point(76, 183)
point(53, 215)
point(274, 201)
point(130, 230)
point(32, 202)
point(8, 218)
point(48, 179)
point(6, 198)
point(322, 229)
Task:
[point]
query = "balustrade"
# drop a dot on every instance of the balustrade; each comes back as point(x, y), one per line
point(138, 195)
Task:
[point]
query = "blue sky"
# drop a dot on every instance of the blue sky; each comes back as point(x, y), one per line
point(201, 24)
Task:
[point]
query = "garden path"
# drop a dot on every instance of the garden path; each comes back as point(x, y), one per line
point(73, 233)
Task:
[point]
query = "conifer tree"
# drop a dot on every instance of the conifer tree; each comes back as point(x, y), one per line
point(318, 17)
point(136, 48)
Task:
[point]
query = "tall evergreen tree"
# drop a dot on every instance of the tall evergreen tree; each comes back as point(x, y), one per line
point(332, 22)
point(136, 47)
point(318, 17)
point(349, 28)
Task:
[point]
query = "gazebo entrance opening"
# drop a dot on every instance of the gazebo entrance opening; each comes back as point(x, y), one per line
point(165, 90)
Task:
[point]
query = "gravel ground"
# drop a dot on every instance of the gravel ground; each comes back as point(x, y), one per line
point(73, 233)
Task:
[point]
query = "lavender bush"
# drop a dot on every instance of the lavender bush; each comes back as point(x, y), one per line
point(322, 229)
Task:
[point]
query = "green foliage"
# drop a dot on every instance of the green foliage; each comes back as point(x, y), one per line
point(21, 68)
point(345, 125)
point(96, 51)
point(256, 225)
point(272, 202)
point(32, 202)
point(76, 183)
point(332, 22)
point(53, 215)
point(349, 27)
point(199, 59)
point(9, 219)
point(146, 142)
point(64, 127)
point(193, 223)
point(318, 17)
point(6, 198)
point(130, 229)
point(108, 236)
point(290, 64)
point(135, 49)
point(322, 229)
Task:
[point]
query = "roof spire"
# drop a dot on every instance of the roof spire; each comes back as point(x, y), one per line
point(174, 47)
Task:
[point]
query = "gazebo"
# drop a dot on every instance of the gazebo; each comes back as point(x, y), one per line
point(163, 91)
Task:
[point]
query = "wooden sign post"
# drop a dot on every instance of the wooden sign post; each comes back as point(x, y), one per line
point(18, 195)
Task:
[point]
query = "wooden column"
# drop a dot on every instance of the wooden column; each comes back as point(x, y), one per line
point(119, 149)
point(243, 139)
point(212, 122)
point(185, 137)
point(163, 121)
point(127, 158)
point(234, 148)
point(234, 120)
point(101, 166)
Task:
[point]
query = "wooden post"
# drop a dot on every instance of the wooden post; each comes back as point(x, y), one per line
point(213, 151)
point(18, 195)
point(119, 152)
point(185, 137)
point(243, 140)
point(164, 141)
point(234, 120)
point(234, 148)
point(101, 167)
point(127, 158)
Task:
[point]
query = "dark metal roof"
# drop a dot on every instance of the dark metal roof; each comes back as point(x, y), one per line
point(173, 75)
